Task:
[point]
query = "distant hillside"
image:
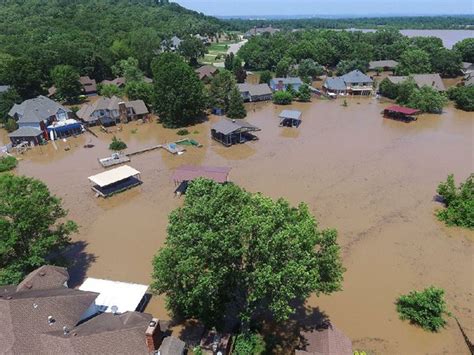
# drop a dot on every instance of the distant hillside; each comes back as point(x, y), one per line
point(92, 34)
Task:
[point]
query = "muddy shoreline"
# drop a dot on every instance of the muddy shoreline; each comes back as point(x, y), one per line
point(370, 178)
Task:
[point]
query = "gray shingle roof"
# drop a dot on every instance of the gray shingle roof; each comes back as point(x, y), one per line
point(172, 346)
point(336, 83)
point(356, 76)
point(291, 114)
point(383, 64)
point(255, 89)
point(226, 126)
point(25, 132)
point(36, 110)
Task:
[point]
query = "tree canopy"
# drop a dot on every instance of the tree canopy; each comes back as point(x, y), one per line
point(226, 246)
point(178, 96)
point(32, 227)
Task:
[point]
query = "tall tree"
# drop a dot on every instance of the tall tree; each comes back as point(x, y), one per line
point(32, 227)
point(414, 61)
point(192, 49)
point(66, 80)
point(226, 246)
point(236, 105)
point(178, 93)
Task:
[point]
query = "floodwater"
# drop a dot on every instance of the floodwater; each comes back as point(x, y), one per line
point(449, 37)
point(372, 179)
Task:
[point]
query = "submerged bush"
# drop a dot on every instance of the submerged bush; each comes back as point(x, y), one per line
point(7, 163)
point(459, 202)
point(117, 144)
point(425, 308)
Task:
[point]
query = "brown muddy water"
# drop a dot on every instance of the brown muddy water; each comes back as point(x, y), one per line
point(372, 179)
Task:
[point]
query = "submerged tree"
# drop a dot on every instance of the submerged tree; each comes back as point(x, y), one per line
point(226, 246)
point(33, 231)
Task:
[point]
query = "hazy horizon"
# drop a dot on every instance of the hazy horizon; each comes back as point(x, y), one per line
point(343, 8)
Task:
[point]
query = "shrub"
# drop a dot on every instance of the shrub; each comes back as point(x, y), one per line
point(246, 344)
point(425, 308)
point(117, 144)
point(7, 163)
point(182, 132)
point(282, 98)
point(459, 202)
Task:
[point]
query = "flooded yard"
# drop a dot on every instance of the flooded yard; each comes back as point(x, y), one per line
point(372, 179)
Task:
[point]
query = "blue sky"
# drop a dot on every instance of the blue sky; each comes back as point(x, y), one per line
point(328, 7)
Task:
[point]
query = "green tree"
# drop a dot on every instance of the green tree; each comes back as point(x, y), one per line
point(466, 49)
point(32, 227)
point(282, 98)
point(463, 97)
point(226, 246)
point(7, 100)
point(109, 90)
point(446, 62)
point(308, 69)
point(236, 105)
point(388, 89)
point(459, 202)
point(192, 49)
point(265, 77)
point(66, 80)
point(178, 93)
point(414, 61)
point(128, 68)
point(139, 90)
point(117, 144)
point(425, 308)
point(221, 87)
point(304, 93)
point(427, 99)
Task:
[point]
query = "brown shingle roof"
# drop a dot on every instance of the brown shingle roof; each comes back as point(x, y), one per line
point(103, 334)
point(45, 277)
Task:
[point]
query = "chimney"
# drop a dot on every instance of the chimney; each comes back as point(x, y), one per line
point(123, 114)
point(153, 335)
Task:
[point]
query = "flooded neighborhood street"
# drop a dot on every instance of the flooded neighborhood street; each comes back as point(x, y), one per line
point(372, 179)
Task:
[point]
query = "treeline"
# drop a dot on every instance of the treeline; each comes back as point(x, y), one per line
point(89, 35)
point(413, 22)
point(346, 50)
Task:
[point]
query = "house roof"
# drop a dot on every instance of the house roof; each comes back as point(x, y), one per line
point(103, 334)
point(125, 296)
point(206, 71)
point(290, 114)
point(25, 131)
point(356, 76)
point(24, 315)
point(36, 110)
point(172, 346)
point(432, 80)
point(47, 276)
point(255, 89)
point(226, 126)
point(114, 175)
point(329, 341)
point(383, 64)
point(190, 172)
point(287, 81)
point(335, 83)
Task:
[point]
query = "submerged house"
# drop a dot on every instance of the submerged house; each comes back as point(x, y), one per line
point(385, 65)
point(353, 83)
point(433, 81)
point(279, 84)
point(255, 92)
point(110, 111)
point(290, 118)
point(41, 315)
point(229, 132)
